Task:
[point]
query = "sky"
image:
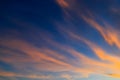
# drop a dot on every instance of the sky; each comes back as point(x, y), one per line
point(60, 40)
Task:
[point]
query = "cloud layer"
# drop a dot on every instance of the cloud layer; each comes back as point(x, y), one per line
point(44, 55)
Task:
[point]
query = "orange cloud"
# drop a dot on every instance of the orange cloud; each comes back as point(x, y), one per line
point(66, 76)
point(62, 3)
point(114, 75)
point(45, 59)
point(109, 34)
point(49, 60)
point(41, 59)
point(109, 63)
point(11, 74)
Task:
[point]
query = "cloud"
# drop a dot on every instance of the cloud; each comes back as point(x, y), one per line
point(58, 58)
point(108, 63)
point(62, 3)
point(110, 34)
point(31, 76)
point(66, 76)
point(42, 59)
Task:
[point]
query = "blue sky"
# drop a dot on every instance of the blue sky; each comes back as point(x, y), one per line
point(60, 40)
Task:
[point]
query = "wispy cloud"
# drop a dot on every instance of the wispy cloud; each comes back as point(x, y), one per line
point(11, 74)
point(110, 34)
point(62, 3)
point(61, 60)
